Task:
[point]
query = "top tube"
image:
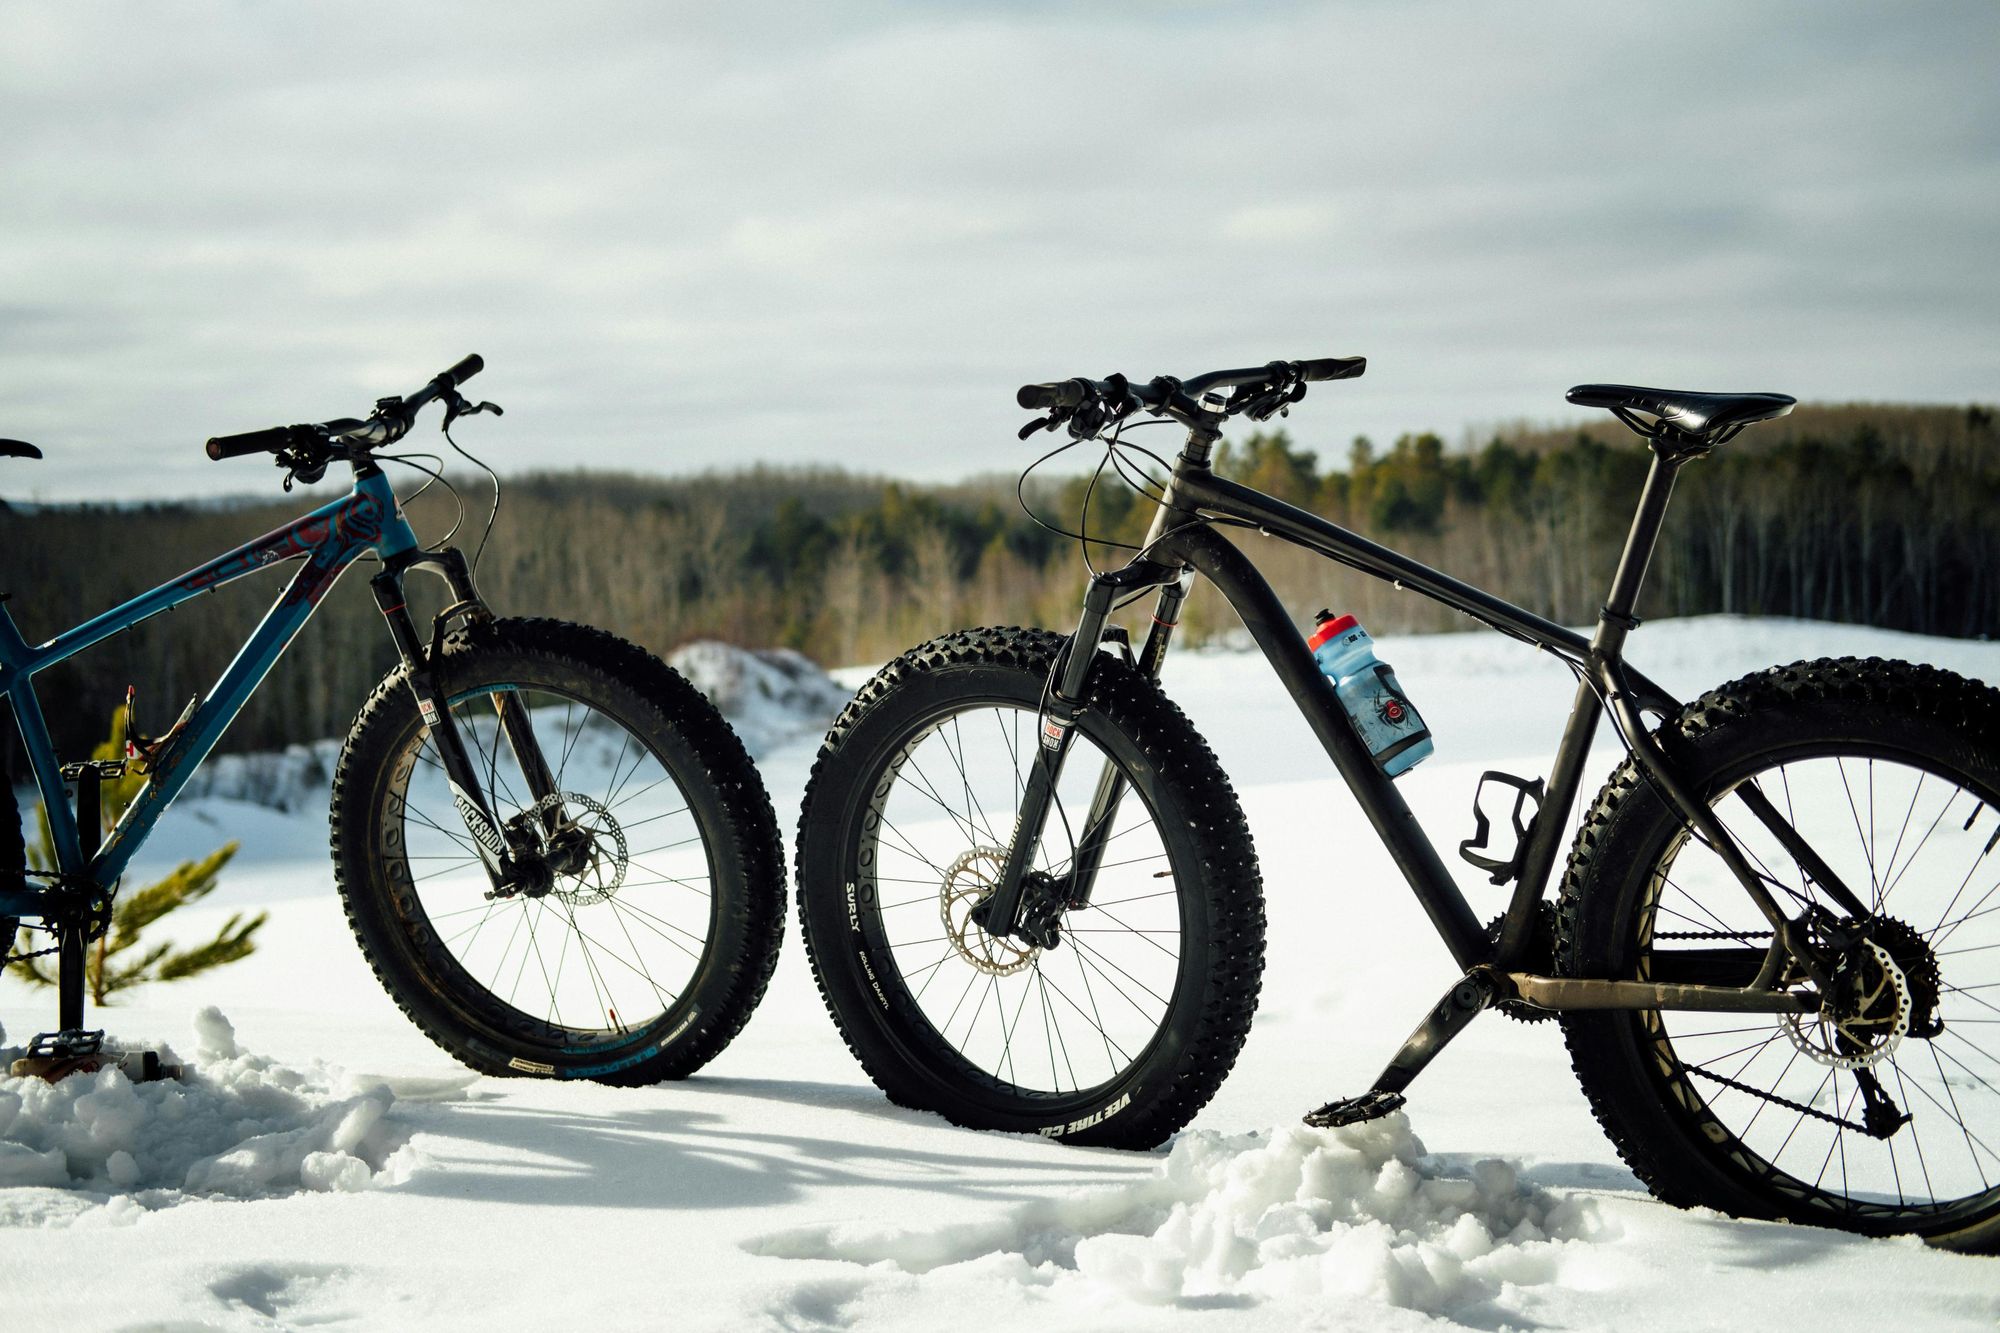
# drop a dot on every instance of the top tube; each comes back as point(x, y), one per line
point(328, 538)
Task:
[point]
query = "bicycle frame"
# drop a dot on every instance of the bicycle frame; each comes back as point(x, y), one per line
point(1184, 542)
point(327, 541)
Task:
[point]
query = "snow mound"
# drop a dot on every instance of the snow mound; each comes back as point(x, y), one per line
point(294, 778)
point(1358, 1213)
point(239, 1126)
point(768, 694)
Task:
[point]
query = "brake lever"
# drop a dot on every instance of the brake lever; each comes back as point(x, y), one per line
point(1049, 422)
point(302, 466)
point(1274, 402)
point(455, 407)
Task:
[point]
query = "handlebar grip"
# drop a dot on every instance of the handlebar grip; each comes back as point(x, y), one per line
point(250, 442)
point(465, 369)
point(1069, 393)
point(1332, 368)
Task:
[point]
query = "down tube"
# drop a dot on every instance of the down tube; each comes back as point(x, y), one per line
point(1269, 624)
point(273, 635)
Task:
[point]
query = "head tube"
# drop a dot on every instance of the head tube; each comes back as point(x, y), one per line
point(394, 534)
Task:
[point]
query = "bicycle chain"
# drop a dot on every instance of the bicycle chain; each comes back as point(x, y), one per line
point(1813, 1111)
point(1740, 936)
point(8, 957)
point(1745, 936)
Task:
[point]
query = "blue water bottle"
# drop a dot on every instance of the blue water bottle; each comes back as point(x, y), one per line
point(1367, 689)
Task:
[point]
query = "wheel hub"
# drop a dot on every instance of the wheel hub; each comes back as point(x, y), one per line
point(1864, 1015)
point(583, 861)
point(969, 882)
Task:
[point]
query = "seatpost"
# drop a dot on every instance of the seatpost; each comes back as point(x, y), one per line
point(1616, 620)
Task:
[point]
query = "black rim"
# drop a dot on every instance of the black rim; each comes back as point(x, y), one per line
point(1918, 845)
point(615, 946)
point(1060, 1025)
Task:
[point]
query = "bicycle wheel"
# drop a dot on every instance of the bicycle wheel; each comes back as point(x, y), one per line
point(658, 934)
point(1124, 1028)
point(1891, 773)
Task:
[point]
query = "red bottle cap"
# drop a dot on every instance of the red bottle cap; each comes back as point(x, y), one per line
point(1330, 629)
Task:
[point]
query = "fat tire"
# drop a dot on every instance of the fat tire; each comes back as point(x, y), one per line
point(1661, 1126)
point(706, 758)
point(1180, 780)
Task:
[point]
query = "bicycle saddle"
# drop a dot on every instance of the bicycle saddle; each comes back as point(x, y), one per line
point(1702, 415)
point(18, 449)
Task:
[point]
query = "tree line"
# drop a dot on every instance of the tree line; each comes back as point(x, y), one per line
point(1875, 514)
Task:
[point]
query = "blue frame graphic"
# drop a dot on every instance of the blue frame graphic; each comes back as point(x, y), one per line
point(327, 541)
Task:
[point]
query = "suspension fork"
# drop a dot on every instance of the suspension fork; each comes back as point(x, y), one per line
point(999, 913)
point(460, 772)
point(515, 723)
point(1111, 783)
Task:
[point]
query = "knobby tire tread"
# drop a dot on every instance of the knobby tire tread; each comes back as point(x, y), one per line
point(758, 903)
point(1595, 883)
point(1229, 871)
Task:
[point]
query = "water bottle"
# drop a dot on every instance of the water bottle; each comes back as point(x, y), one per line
point(1367, 688)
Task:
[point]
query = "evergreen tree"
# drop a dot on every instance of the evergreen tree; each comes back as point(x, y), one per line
point(118, 960)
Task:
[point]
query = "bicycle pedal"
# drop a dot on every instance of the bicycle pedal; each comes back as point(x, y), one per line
point(54, 1056)
point(1370, 1105)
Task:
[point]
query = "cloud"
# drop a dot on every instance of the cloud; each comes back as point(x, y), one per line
point(689, 237)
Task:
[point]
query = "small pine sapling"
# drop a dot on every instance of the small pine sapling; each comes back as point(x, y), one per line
point(117, 960)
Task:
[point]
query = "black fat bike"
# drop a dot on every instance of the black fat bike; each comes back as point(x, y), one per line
point(554, 852)
point(1032, 904)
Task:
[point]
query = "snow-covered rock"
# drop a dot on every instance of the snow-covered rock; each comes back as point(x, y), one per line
point(769, 695)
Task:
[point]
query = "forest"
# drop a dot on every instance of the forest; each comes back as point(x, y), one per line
point(1874, 514)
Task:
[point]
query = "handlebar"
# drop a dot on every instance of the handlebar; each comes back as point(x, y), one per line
point(1260, 392)
point(259, 441)
point(390, 421)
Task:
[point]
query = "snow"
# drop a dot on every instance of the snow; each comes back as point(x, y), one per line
point(238, 1126)
point(1360, 1212)
point(324, 1163)
point(770, 695)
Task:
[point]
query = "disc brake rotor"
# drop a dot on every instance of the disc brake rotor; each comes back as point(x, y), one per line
point(1865, 1017)
point(600, 877)
point(969, 882)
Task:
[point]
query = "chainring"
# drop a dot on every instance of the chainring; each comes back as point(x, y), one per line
point(1541, 959)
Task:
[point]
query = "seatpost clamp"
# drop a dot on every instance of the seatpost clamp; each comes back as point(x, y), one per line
point(1626, 623)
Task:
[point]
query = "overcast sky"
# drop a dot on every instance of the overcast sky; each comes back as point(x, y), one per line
point(688, 237)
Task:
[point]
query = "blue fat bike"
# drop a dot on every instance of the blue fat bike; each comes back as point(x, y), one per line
point(1032, 903)
point(553, 851)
